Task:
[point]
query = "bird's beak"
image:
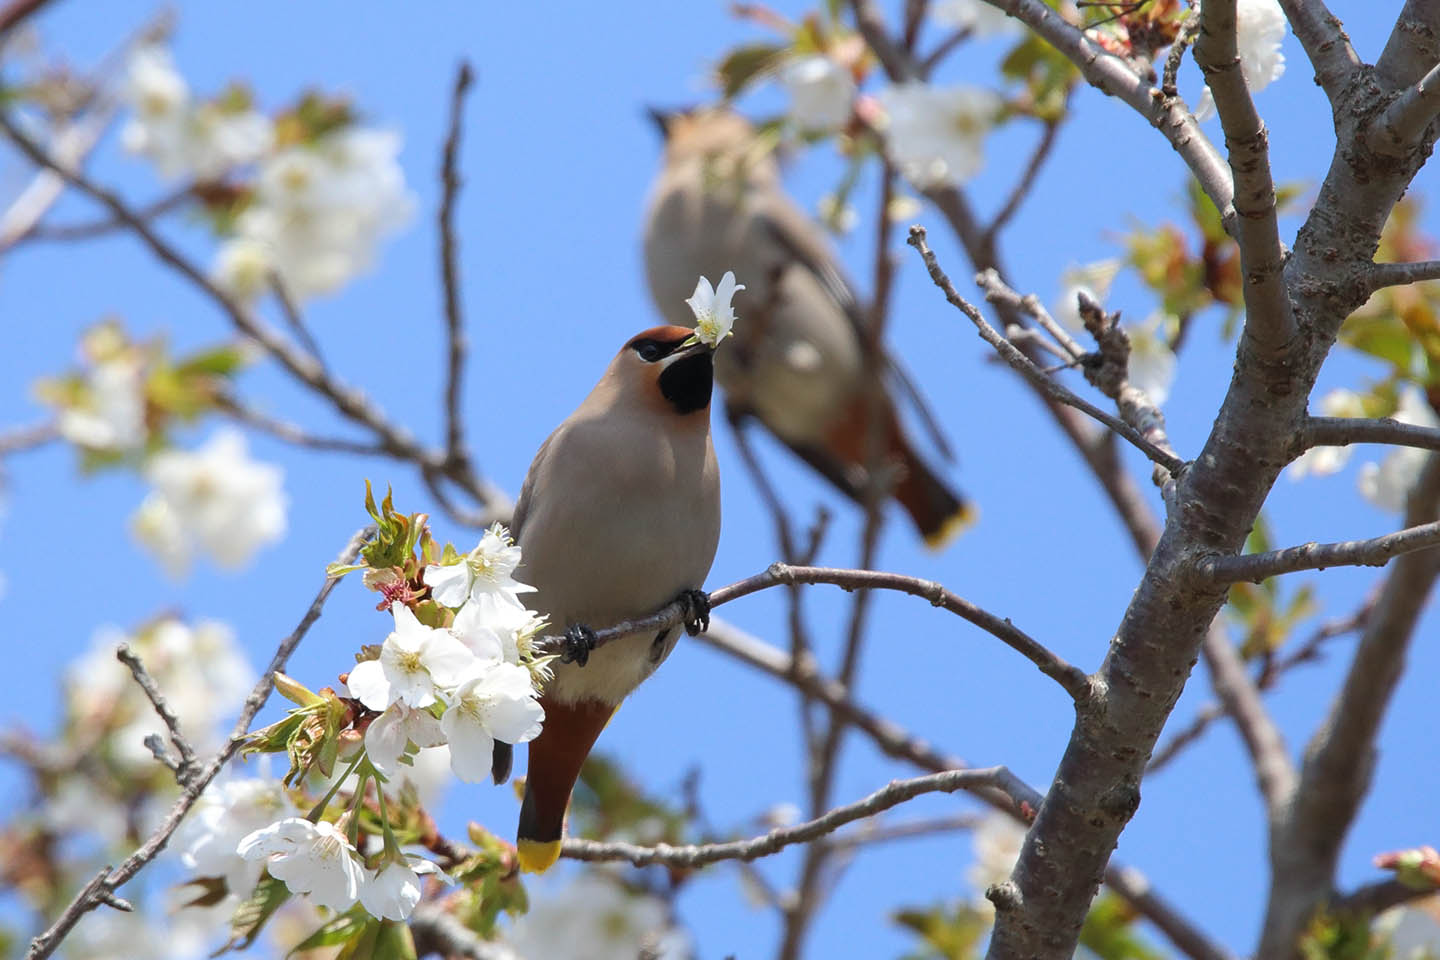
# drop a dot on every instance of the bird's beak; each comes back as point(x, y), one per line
point(662, 120)
point(698, 347)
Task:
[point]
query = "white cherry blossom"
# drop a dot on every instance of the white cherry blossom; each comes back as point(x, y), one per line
point(821, 93)
point(414, 660)
point(1260, 27)
point(714, 317)
point(112, 416)
point(392, 892)
point(485, 574)
point(314, 859)
point(937, 134)
point(388, 734)
point(1322, 461)
point(498, 703)
point(215, 498)
point(225, 814)
point(980, 18)
point(1388, 483)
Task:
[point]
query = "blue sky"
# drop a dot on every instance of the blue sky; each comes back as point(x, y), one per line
point(557, 158)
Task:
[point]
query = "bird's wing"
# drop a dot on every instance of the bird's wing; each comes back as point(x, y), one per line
point(789, 227)
point(527, 489)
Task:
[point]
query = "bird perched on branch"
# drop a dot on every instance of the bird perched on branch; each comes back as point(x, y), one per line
point(619, 515)
point(798, 365)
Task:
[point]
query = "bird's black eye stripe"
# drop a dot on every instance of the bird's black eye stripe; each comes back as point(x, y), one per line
point(652, 350)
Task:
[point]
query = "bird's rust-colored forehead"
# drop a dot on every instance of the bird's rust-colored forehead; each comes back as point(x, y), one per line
point(663, 335)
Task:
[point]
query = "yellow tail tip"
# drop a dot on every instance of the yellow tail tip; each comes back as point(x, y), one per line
point(953, 525)
point(537, 856)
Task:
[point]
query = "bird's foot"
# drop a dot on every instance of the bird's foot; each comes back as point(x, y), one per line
point(697, 611)
point(579, 641)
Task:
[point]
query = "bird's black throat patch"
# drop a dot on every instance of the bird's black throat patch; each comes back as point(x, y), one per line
point(688, 382)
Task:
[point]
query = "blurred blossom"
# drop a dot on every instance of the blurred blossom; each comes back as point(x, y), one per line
point(112, 935)
point(215, 498)
point(226, 813)
point(200, 669)
point(1322, 461)
point(974, 15)
point(1092, 279)
point(937, 134)
point(821, 93)
point(997, 841)
point(1412, 930)
point(182, 137)
point(594, 918)
point(839, 217)
point(1388, 483)
point(320, 211)
point(1152, 363)
point(111, 416)
point(1259, 31)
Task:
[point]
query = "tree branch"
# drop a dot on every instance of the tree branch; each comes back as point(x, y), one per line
point(894, 793)
point(1274, 772)
point(1012, 355)
point(349, 402)
point(1342, 431)
point(450, 269)
point(291, 433)
point(17, 12)
point(186, 766)
point(1325, 43)
point(1413, 47)
point(1269, 322)
point(1026, 182)
point(1340, 758)
point(108, 880)
point(1375, 552)
point(1383, 275)
point(1114, 77)
point(439, 932)
point(1071, 678)
point(1377, 897)
point(25, 439)
point(1400, 128)
point(898, 744)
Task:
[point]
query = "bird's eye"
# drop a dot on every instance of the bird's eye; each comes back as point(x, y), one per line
point(649, 351)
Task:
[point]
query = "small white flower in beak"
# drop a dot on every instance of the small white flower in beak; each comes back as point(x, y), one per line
point(714, 317)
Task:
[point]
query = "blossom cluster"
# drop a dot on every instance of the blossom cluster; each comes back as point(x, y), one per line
point(306, 196)
point(459, 668)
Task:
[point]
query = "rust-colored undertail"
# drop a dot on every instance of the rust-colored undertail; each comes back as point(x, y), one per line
point(570, 730)
point(937, 512)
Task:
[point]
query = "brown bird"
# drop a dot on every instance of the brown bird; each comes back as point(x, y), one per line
point(797, 363)
point(619, 515)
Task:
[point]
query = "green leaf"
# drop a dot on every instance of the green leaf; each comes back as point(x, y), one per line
point(945, 933)
point(217, 362)
point(744, 65)
point(1109, 931)
point(338, 930)
point(251, 916)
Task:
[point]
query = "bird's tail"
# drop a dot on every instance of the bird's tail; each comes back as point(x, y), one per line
point(570, 730)
point(938, 512)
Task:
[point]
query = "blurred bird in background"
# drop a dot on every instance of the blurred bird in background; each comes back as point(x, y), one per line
point(798, 362)
point(619, 515)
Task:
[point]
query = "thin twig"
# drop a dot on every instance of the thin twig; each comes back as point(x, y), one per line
point(997, 291)
point(110, 879)
point(1381, 275)
point(186, 767)
point(1399, 129)
point(894, 793)
point(17, 12)
point(294, 319)
point(89, 229)
point(1341, 431)
point(1071, 678)
point(875, 834)
point(25, 439)
point(895, 742)
point(1375, 552)
point(1183, 38)
point(349, 402)
point(1012, 355)
point(1270, 674)
point(291, 433)
point(1023, 186)
point(1377, 897)
point(450, 271)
